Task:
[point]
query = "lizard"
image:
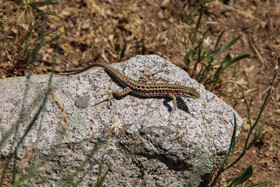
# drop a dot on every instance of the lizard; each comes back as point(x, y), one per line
point(140, 88)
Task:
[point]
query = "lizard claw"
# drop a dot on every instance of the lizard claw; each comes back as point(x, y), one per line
point(110, 99)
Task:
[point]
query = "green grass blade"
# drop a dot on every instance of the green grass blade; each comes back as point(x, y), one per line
point(219, 39)
point(216, 49)
point(123, 50)
point(202, 77)
point(102, 178)
point(257, 135)
point(32, 123)
point(38, 4)
point(71, 177)
point(200, 47)
point(235, 59)
point(31, 172)
point(227, 47)
point(242, 177)
point(195, 7)
point(259, 184)
point(196, 28)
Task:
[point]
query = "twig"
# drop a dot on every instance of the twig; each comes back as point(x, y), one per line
point(263, 23)
point(255, 50)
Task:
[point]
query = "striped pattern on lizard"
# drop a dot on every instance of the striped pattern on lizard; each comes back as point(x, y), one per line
point(141, 88)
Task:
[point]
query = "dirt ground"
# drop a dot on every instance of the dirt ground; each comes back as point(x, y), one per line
point(88, 28)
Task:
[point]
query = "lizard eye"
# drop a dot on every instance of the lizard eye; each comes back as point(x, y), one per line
point(192, 95)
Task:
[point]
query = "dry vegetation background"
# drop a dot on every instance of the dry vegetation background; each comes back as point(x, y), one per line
point(118, 30)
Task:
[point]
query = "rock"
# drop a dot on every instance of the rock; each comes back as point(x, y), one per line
point(139, 140)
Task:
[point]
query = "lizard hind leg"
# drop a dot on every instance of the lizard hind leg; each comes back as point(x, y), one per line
point(148, 77)
point(114, 94)
point(109, 99)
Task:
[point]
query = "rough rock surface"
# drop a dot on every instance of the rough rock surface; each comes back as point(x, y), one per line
point(142, 141)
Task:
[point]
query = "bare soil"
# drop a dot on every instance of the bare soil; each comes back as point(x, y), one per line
point(91, 28)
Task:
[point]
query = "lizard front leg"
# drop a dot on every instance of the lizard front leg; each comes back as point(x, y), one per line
point(173, 97)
